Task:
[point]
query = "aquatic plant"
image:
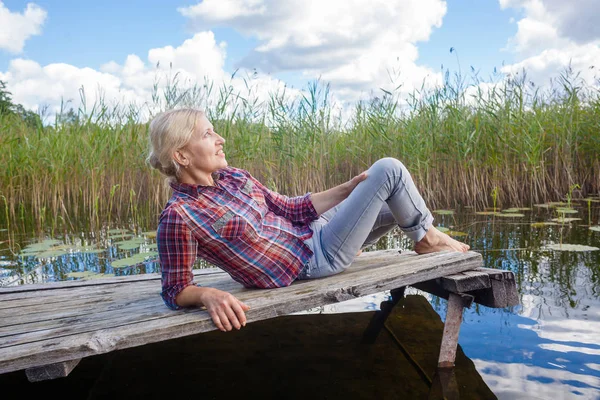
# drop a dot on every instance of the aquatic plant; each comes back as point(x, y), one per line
point(464, 147)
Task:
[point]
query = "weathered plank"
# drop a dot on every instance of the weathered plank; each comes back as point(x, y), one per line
point(466, 281)
point(497, 290)
point(75, 335)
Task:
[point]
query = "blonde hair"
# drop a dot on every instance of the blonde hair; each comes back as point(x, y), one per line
point(170, 131)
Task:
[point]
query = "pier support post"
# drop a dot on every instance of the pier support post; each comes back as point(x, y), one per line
point(456, 303)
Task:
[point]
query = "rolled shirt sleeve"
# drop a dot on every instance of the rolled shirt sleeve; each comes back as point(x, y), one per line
point(177, 251)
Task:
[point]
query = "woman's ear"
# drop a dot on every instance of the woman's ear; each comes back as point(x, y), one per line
point(180, 158)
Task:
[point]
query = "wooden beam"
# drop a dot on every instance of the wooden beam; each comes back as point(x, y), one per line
point(51, 371)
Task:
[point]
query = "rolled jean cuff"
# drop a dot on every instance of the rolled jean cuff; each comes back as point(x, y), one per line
point(417, 232)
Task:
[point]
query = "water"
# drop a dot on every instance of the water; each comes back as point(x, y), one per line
point(547, 347)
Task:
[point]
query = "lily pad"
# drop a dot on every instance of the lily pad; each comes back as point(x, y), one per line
point(154, 246)
point(569, 247)
point(487, 213)
point(117, 231)
point(557, 204)
point(120, 236)
point(88, 249)
point(542, 224)
point(565, 220)
point(541, 205)
point(41, 246)
point(150, 234)
point(133, 260)
point(443, 212)
point(592, 200)
point(80, 274)
point(442, 229)
point(565, 210)
point(595, 228)
point(510, 215)
point(511, 210)
point(53, 252)
point(129, 244)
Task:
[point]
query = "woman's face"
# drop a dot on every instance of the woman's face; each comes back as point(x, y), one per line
point(202, 155)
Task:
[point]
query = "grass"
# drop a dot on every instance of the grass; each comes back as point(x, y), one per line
point(515, 144)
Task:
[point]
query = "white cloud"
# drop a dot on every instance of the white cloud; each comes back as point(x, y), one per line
point(353, 44)
point(16, 28)
point(553, 35)
point(196, 61)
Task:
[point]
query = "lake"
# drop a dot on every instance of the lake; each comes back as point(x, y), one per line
point(547, 347)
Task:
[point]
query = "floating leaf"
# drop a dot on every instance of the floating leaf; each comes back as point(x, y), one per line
point(53, 252)
point(542, 224)
point(557, 204)
point(80, 274)
point(541, 205)
point(510, 210)
point(150, 234)
point(88, 249)
point(595, 228)
point(442, 229)
point(487, 213)
point(41, 246)
point(565, 210)
point(443, 212)
point(118, 231)
point(563, 220)
point(154, 246)
point(133, 260)
point(120, 236)
point(130, 244)
point(592, 200)
point(510, 215)
point(569, 247)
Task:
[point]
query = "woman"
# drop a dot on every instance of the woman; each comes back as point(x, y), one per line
point(261, 238)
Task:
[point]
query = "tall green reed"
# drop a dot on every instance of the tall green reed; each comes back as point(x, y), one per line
point(460, 142)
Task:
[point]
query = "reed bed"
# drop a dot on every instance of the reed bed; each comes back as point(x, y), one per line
point(461, 145)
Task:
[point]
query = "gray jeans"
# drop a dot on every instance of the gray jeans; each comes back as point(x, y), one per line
point(386, 199)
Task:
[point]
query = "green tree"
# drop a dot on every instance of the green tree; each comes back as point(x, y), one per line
point(6, 105)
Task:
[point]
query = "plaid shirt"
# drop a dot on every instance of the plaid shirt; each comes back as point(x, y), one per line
point(256, 235)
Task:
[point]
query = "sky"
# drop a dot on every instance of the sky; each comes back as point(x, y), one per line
point(119, 50)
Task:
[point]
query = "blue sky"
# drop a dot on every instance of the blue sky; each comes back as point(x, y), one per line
point(351, 44)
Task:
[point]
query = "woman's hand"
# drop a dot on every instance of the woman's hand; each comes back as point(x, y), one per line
point(323, 201)
point(226, 311)
point(349, 186)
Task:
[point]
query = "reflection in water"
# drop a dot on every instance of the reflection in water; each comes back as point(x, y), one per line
point(548, 347)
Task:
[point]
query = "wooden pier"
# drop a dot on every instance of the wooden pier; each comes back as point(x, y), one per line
point(47, 329)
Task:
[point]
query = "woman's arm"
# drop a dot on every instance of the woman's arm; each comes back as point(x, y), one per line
point(177, 250)
point(330, 198)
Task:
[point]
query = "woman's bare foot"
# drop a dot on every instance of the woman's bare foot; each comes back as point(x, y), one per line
point(435, 240)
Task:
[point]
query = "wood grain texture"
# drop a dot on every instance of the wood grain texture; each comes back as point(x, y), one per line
point(54, 323)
